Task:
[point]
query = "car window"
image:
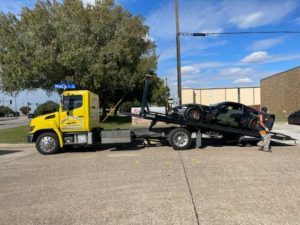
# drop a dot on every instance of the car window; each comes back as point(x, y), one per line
point(72, 102)
point(233, 106)
point(250, 111)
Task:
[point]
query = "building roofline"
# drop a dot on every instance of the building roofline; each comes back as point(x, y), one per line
point(217, 88)
point(280, 73)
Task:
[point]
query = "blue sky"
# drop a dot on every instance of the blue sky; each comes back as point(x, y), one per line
point(220, 60)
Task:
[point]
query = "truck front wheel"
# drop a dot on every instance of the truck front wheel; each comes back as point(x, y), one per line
point(180, 139)
point(47, 143)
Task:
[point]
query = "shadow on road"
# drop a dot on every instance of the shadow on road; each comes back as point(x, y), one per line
point(140, 145)
point(5, 152)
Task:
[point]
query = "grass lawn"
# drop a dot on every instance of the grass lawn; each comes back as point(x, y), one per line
point(14, 135)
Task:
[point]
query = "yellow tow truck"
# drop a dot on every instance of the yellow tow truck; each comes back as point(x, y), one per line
point(76, 123)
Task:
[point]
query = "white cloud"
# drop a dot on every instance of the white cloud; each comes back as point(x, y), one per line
point(210, 65)
point(246, 21)
point(255, 13)
point(296, 21)
point(243, 81)
point(285, 57)
point(260, 57)
point(189, 70)
point(266, 43)
point(236, 71)
point(189, 47)
point(201, 16)
point(257, 57)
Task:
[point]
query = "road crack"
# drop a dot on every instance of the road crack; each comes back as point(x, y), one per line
point(190, 190)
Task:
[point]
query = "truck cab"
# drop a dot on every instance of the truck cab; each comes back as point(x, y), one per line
point(76, 122)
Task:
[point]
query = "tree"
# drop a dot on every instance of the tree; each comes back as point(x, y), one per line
point(47, 107)
point(25, 110)
point(4, 110)
point(101, 47)
point(160, 93)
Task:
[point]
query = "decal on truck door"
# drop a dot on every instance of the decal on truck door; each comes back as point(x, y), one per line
point(72, 123)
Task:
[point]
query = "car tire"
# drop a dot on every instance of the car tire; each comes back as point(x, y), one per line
point(290, 120)
point(193, 113)
point(47, 143)
point(180, 139)
point(252, 124)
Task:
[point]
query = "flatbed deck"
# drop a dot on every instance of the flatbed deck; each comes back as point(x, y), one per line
point(199, 127)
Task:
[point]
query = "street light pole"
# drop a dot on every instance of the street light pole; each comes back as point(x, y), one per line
point(178, 52)
point(16, 102)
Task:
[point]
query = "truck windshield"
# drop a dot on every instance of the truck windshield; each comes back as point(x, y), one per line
point(72, 102)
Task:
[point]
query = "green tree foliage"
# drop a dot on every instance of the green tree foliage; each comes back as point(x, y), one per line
point(159, 93)
point(4, 110)
point(47, 107)
point(100, 47)
point(25, 110)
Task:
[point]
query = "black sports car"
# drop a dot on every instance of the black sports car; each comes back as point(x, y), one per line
point(294, 118)
point(225, 113)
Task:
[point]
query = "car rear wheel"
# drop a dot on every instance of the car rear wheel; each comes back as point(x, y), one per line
point(180, 138)
point(193, 113)
point(291, 120)
point(253, 123)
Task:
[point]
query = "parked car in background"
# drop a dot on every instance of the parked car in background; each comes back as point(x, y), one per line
point(230, 114)
point(30, 116)
point(294, 118)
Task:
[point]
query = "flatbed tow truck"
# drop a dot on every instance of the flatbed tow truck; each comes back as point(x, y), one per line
point(77, 124)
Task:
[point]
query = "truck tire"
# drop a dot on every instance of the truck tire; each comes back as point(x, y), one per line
point(180, 139)
point(47, 143)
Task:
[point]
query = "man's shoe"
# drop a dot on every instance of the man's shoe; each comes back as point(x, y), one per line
point(260, 144)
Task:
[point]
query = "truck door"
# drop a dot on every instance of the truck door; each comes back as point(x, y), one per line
point(72, 113)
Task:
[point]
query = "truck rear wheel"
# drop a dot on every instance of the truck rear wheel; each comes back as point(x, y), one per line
point(47, 143)
point(180, 139)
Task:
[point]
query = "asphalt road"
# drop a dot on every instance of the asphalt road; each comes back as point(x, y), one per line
point(157, 185)
point(10, 122)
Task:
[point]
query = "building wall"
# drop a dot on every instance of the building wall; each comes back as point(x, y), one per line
point(211, 96)
point(281, 92)
point(247, 96)
point(187, 95)
point(257, 96)
point(232, 95)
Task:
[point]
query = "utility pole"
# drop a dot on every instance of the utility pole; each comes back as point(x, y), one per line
point(178, 52)
point(16, 102)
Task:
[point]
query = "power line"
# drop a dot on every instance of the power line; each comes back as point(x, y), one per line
point(236, 33)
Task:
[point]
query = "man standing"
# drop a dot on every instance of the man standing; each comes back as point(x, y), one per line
point(263, 128)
